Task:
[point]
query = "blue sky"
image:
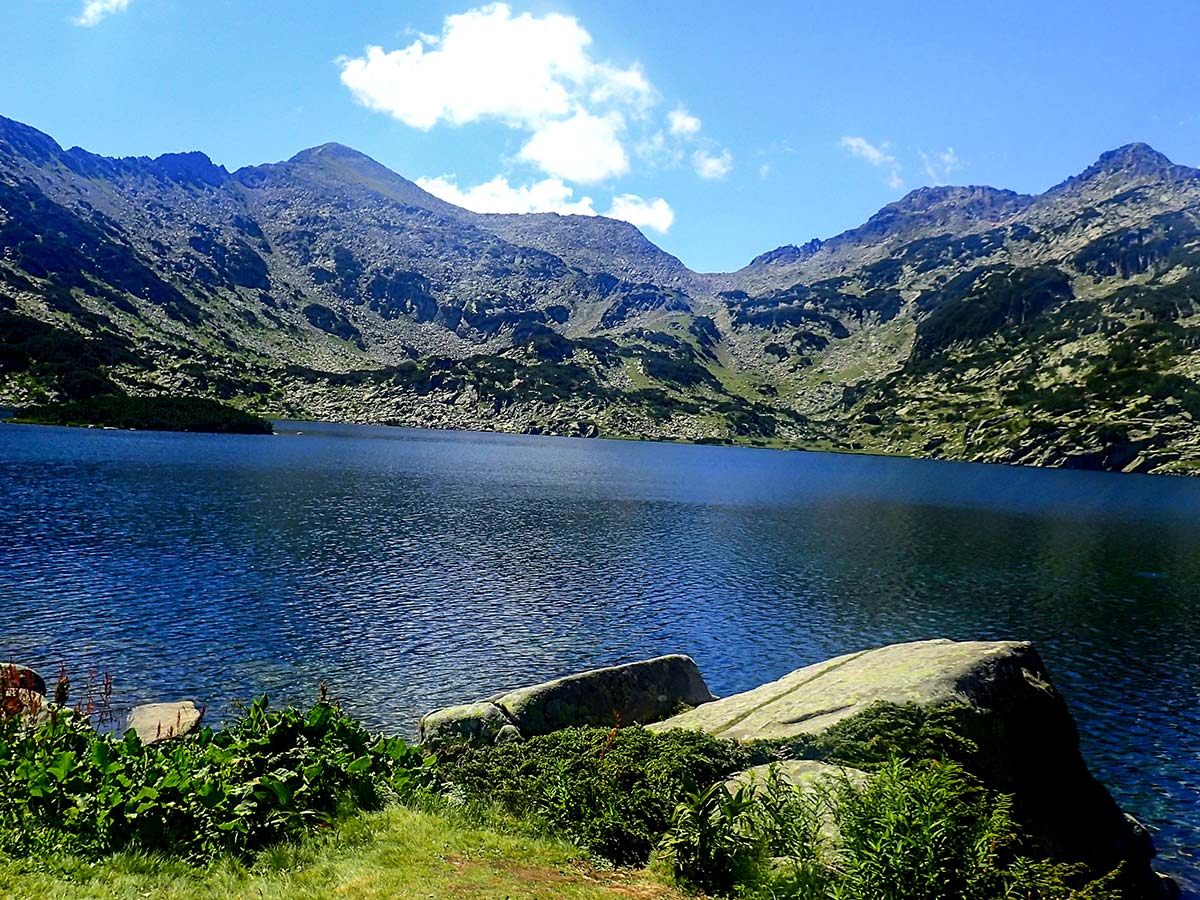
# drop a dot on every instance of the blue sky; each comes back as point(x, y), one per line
point(722, 129)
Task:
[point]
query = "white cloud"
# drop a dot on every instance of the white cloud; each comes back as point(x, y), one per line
point(533, 73)
point(878, 156)
point(547, 195)
point(655, 214)
point(764, 170)
point(498, 196)
point(710, 166)
point(681, 123)
point(940, 166)
point(95, 11)
point(488, 63)
point(583, 148)
point(584, 119)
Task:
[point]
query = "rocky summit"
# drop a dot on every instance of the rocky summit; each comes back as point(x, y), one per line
point(1061, 329)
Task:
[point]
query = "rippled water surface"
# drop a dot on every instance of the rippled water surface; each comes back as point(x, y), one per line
point(413, 569)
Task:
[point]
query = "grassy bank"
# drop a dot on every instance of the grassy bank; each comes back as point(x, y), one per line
point(290, 803)
point(399, 853)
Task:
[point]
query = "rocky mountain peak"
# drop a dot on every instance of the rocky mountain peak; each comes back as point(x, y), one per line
point(938, 209)
point(189, 168)
point(329, 152)
point(975, 200)
point(1133, 159)
point(1116, 170)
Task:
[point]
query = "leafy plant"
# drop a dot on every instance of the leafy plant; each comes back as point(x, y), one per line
point(715, 843)
point(271, 775)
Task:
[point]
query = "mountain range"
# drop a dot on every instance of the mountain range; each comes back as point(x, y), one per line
point(1058, 329)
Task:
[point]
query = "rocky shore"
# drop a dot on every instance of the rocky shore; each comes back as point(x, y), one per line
point(1028, 740)
point(998, 695)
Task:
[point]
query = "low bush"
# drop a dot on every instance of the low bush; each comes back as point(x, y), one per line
point(914, 831)
point(271, 775)
point(612, 791)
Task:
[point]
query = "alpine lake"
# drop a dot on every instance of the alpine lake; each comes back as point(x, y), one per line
point(410, 570)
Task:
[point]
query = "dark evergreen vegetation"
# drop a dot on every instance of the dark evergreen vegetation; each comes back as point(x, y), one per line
point(148, 414)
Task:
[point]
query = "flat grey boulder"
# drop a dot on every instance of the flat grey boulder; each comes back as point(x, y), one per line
point(632, 694)
point(809, 700)
point(156, 722)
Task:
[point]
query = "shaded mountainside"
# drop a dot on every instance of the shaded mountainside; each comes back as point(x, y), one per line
point(964, 322)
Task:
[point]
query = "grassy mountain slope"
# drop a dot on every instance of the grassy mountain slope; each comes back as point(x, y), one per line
point(966, 322)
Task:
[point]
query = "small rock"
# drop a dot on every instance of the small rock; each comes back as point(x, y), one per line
point(508, 734)
point(472, 723)
point(18, 701)
point(22, 691)
point(156, 722)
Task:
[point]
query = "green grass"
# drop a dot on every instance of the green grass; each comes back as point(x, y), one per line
point(398, 853)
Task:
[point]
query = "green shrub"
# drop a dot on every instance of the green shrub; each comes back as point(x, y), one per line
point(915, 831)
point(269, 776)
point(612, 791)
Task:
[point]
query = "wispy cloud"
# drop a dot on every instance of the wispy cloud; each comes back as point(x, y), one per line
point(877, 155)
point(96, 11)
point(712, 165)
point(940, 166)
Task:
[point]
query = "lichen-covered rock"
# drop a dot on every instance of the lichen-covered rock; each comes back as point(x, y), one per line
point(1028, 739)
point(156, 722)
point(472, 723)
point(633, 694)
point(811, 699)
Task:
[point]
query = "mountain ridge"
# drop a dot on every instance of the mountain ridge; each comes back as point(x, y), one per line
point(328, 285)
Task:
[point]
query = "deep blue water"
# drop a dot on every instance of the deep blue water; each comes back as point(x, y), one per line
point(413, 569)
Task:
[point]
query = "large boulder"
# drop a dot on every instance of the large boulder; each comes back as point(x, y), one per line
point(633, 694)
point(154, 722)
point(1028, 738)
